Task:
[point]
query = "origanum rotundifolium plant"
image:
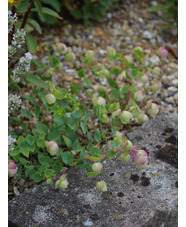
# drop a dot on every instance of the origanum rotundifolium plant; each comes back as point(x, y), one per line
point(66, 138)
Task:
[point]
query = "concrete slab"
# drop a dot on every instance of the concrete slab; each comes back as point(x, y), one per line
point(135, 198)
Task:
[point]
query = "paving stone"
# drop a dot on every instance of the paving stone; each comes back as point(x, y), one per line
point(135, 197)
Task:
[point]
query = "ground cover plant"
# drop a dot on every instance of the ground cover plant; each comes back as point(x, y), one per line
point(61, 135)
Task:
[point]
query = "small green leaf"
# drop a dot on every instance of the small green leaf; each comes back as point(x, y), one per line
point(40, 143)
point(134, 104)
point(115, 143)
point(36, 81)
point(87, 81)
point(41, 135)
point(31, 43)
point(22, 7)
point(77, 114)
point(54, 61)
point(134, 72)
point(55, 4)
point(95, 151)
point(38, 6)
point(81, 73)
point(42, 168)
point(29, 169)
point(31, 147)
point(111, 154)
point(94, 174)
point(115, 71)
point(22, 161)
point(63, 92)
point(133, 88)
point(30, 99)
point(97, 136)
point(44, 160)
point(128, 76)
point(79, 163)
point(124, 91)
point(94, 70)
point(67, 141)
point(42, 128)
point(49, 12)
point(139, 75)
point(96, 159)
point(83, 127)
point(30, 139)
point(54, 133)
point(21, 141)
point(57, 94)
point(116, 94)
point(38, 177)
point(35, 24)
point(139, 55)
point(75, 88)
point(59, 113)
point(112, 82)
point(67, 158)
point(37, 111)
point(57, 166)
point(51, 87)
point(112, 107)
point(24, 151)
point(103, 93)
point(26, 113)
point(132, 66)
point(49, 172)
point(76, 146)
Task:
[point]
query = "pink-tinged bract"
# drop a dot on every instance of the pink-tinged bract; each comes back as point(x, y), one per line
point(141, 159)
point(116, 113)
point(111, 51)
point(97, 167)
point(163, 52)
point(50, 98)
point(70, 57)
point(142, 118)
point(101, 101)
point(12, 168)
point(118, 136)
point(61, 48)
point(145, 78)
point(62, 182)
point(125, 117)
point(153, 110)
point(89, 55)
point(139, 96)
point(52, 147)
point(125, 157)
point(101, 186)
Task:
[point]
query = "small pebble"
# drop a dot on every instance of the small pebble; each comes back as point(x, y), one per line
point(148, 35)
point(172, 88)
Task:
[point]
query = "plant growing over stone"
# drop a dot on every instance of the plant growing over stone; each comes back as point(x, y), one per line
point(67, 139)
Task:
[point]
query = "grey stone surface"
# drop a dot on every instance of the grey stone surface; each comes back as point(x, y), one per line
point(135, 197)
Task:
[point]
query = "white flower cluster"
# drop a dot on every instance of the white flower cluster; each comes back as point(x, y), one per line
point(14, 102)
point(17, 42)
point(19, 38)
point(22, 67)
point(10, 143)
point(11, 20)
